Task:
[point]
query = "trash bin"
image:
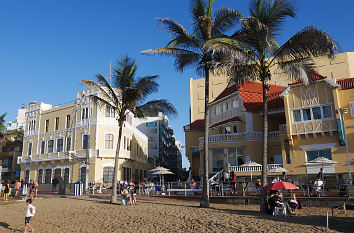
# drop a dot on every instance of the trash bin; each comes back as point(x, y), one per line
point(78, 188)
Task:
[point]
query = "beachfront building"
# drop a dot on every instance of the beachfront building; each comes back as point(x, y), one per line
point(340, 67)
point(319, 117)
point(78, 141)
point(11, 146)
point(163, 150)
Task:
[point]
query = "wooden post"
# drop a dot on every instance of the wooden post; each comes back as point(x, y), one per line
point(327, 219)
point(185, 189)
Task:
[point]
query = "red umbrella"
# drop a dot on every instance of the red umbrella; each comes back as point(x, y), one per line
point(280, 185)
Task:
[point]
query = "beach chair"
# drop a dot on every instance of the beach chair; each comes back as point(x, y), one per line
point(280, 210)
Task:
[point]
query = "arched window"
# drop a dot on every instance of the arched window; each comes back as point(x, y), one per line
point(108, 174)
point(48, 176)
point(108, 141)
point(40, 176)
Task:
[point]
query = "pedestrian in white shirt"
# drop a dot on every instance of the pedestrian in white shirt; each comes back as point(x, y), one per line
point(31, 210)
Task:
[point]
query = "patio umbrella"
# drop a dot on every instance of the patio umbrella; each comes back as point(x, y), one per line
point(322, 160)
point(163, 172)
point(281, 185)
point(278, 170)
point(251, 164)
point(156, 169)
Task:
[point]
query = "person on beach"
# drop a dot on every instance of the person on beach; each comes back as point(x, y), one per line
point(192, 184)
point(35, 188)
point(233, 180)
point(132, 194)
point(30, 212)
point(32, 189)
point(18, 188)
point(1, 186)
point(124, 197)
point(54, 185)
point(6, 190)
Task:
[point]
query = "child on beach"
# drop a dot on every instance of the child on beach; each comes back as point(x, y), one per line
point(31, 210)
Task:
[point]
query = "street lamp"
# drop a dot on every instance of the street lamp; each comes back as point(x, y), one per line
point(341, 111)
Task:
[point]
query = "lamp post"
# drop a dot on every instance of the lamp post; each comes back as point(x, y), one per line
point(345, 110)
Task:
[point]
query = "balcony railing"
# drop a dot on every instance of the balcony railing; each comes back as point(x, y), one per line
point(234, 137)
point(224, 115)
point(253, 168)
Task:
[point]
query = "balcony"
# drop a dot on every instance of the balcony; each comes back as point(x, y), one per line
point(224, 116)
point(253, 168)
point(236, 137)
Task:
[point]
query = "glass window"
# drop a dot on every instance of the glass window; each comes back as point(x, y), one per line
point(232, 156)
point(46, 126)
point(306, 113)
point(40, 176)
point(30, 148)
point(42, 147)
point(227, 130)
point(314, 154)
point(68, 143)
point(316, 113)
point(218, 159)
point(108, 141)
point(327, 112)
point(67, 121)
point(48, 176)
point(57, 123)
point(66, 175)
point(60, 145)
point(297, 115)
point(27, 173)
point(108, 174)
point(85, 142)
point(234, 129)
point(50, 146)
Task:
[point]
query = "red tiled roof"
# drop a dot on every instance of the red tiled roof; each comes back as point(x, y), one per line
point(314, 77)
point(195, 125)
point(346, 83)
point(226, 121)
point(252, 97)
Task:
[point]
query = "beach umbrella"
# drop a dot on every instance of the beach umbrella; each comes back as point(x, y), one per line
point(281, 185)
point(156, 169)
point(322, 161)
point(163, 172)
point(278, 170)
point(249, 165)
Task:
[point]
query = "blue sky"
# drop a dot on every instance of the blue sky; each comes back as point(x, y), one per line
point(47, 47)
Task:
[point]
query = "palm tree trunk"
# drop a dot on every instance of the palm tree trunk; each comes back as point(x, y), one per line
point(116, 168)
point(263, 203)
point(204, 202)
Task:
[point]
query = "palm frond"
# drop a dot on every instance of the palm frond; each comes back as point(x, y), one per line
point(241, 72)
point(102, 81)
point(147, 85)
point(210, 7)
point(224, 20)
point(155, 106)
point(180, 37)
point(186, 60)
point(302, 68)
point(167, 51)
point(272, 13)
point(131, 97)
point(309, 42)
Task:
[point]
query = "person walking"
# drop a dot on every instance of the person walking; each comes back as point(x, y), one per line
point(6, 190)
point(18, 188)
point(30, 212)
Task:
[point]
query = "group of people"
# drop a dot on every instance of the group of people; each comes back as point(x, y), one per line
point(276, 200)
point(8, 188)
point(128, 190)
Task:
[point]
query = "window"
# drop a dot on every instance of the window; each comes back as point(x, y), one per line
point(68, 143)
point(151, 124)
point(108, 174)
point(108, 142)
point(234, 102)
point(297, 115)
point(84, 113)
point(316, 113)
point(30, 148)
point(109, 111)
point(83, 175)
point(46, 126)
point(234, 128)
point(42, 147)
point(67, 121)
point(40, 176)
point(57, 123)
point(60, 145)
point(50, 146)
point(218, 159)
point(85, 139)
point(327, 112)
point(288, 160)
point(314, 154)
point(124, 143)
point(235, 156)
point(306, 113)
point(220, 108)
point(227, 130)
point(48, 176)
point(130, 144)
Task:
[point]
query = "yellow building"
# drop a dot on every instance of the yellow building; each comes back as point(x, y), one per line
point(340, 67)
point(314, 125)
point(78, 142)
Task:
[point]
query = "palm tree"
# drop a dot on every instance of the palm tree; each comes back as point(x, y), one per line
point(2, 121)
point(128, 93)
point(189, 51)
point(257, 51)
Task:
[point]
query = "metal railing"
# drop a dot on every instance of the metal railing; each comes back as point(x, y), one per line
point(274, 135)
point(253, 168)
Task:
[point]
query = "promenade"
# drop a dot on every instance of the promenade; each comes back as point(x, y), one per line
point(153, 214)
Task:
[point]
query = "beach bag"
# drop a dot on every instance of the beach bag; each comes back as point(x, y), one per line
point(124, 202)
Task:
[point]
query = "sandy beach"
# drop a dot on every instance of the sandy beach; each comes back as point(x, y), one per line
point(91, 214)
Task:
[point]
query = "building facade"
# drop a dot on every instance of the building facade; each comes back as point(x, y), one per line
point(78, 141)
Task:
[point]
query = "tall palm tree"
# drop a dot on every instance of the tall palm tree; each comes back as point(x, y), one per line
point(2, 122)
point(189, 51)
point(256, 48)
point(128, 93)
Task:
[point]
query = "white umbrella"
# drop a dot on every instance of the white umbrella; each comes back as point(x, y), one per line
point(251, 164)
point(163, 172)
point(322, 160)
point(278, 170)
point(159, 169)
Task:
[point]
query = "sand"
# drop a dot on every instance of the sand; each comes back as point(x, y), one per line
point(91, 214)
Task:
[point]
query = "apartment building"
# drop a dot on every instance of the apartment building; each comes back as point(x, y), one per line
point(78, 141)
